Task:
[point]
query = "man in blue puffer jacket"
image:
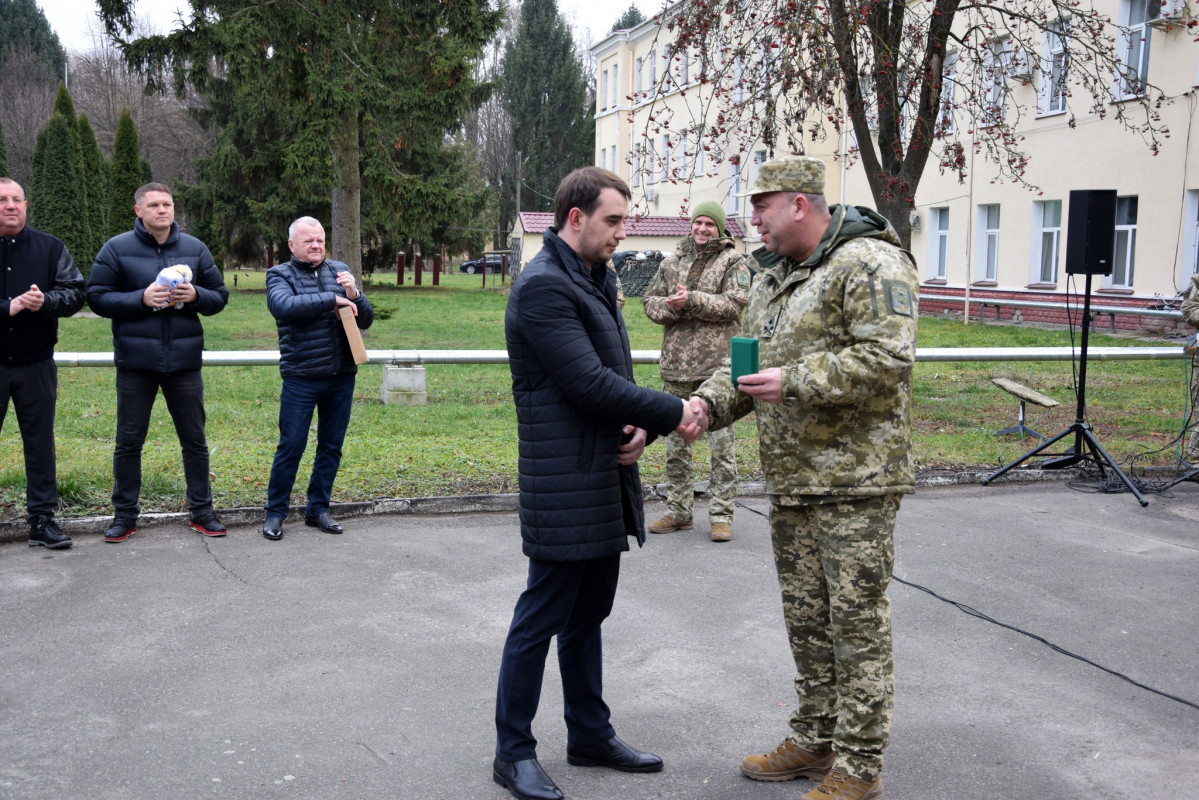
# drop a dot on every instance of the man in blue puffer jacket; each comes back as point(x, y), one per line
point(583, 424)
point(158, 342)
point(318, 371)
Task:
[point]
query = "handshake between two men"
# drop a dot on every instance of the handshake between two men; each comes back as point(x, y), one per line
point(766, 386)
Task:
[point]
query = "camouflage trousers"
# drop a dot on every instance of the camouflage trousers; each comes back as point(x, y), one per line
point(1192, 450)
point(834, 562)
point(680, 474)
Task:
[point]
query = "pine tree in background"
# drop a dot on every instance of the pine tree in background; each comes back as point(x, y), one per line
point(3, 153)
point(553, 120)
point(95, 178)
point(126, 176)
point(55, 207)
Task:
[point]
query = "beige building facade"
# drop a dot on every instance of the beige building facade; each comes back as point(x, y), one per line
point(985, 237)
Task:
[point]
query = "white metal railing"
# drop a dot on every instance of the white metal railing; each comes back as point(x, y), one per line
point(1072, 308)
point(233, 358)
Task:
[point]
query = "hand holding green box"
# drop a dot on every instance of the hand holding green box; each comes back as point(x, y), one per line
point(743, 357)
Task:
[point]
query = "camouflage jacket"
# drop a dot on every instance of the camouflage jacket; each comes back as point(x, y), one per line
point(1190, 303)
point(696, 337)
point(842, 327)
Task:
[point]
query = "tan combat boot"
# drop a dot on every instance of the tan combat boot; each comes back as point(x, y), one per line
point(787, 762)
point(668, 524)
point(721, 531)
point(839, 786)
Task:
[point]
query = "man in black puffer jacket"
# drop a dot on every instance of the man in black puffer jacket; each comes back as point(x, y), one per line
point(40, 283)
point(158, 342)
point(582, 424)
point(318, 371)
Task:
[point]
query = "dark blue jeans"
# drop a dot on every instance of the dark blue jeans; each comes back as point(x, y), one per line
point(331, 398)
point(33, 389)
point(136, 392)
point(570, 600)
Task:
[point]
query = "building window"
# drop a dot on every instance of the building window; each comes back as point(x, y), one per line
point(948, 83)
point(995, 60)
point(603, 90)
point(738, 80)
point(637, 77)
point(1047, 242)
point(699, 155)
point(613, 159)
point(651, 163)
point(604, 158)
point(1051, 93)
point(665, 157)
point(1134, 60)
point(681, 157)
point(614, 84)
point(637, 167)
point(684, 67)
point(987, 263)
point(734, 187)
point(1126, 243)
point(1191, 234)
point(653, 70)
point(938, 257)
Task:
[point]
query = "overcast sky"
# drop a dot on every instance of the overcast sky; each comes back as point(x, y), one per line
point(71, 19)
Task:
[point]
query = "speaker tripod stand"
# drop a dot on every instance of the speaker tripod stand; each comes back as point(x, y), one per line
point(1086, 446)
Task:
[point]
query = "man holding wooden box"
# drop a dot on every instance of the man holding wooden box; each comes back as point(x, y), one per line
point(308, 297)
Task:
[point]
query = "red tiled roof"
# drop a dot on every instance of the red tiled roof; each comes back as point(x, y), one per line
point(538, 221)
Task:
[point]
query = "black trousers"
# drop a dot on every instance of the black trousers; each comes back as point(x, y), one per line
point(136, 392)
point(570, 600)
point(33, 389)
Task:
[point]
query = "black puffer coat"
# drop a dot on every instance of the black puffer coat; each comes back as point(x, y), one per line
point(34, 257)
point(302, 298)
point(142, 338)
point(572, 380)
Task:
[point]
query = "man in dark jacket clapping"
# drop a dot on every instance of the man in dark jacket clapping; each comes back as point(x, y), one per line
point(582, 424)
point(158, 343)
point(318, 370)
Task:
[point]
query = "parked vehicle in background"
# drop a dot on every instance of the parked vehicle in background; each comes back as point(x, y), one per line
point(491, 260)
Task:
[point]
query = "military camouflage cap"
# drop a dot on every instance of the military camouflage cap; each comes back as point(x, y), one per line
point(802, 174)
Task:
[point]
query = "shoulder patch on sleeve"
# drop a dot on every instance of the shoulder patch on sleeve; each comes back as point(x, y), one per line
point(899, 297)
point(743, 278)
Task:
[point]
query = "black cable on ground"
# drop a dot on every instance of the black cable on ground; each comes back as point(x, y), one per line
point(1056, 648)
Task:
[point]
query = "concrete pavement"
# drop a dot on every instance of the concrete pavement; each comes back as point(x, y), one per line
point(364, 665)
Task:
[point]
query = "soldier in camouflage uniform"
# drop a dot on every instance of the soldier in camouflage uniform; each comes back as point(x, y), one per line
point(834, 310)
point(697, 296)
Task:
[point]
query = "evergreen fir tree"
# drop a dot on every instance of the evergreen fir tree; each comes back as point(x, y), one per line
point(95, 178)
point(547, 98)
point(55, 207)
point(126, 176)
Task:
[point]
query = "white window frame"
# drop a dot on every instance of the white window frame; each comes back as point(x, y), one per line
point(653, 71)
point(734, 187)
point(699, 155)
point(665, 157)
point(1043, 234)
point(1055, 70)
point(615, 85)
point(637, 167)
point(938, 243)
point(945, 123)
point(637, 78)
point(603, 90)
point(1132, 77)
point(651, 163)
point(603, 158)
point(995, 61)
point(986, 252)
point(1125, 256)
point(1190, 235)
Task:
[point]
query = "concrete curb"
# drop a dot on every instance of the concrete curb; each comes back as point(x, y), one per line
point(17, 530)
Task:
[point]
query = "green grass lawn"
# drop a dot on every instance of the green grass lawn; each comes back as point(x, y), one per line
point(464, 441)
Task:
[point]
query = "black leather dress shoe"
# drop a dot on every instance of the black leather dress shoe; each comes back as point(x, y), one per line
point(526, 780)
point(612, 753)
point(273, 528)
point(323, 521)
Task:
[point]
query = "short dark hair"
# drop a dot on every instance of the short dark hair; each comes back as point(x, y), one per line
point(581, 189)
point(150, 187)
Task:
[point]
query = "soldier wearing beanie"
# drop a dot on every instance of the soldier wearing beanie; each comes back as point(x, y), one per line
point(834, 310)
point(697, 297)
